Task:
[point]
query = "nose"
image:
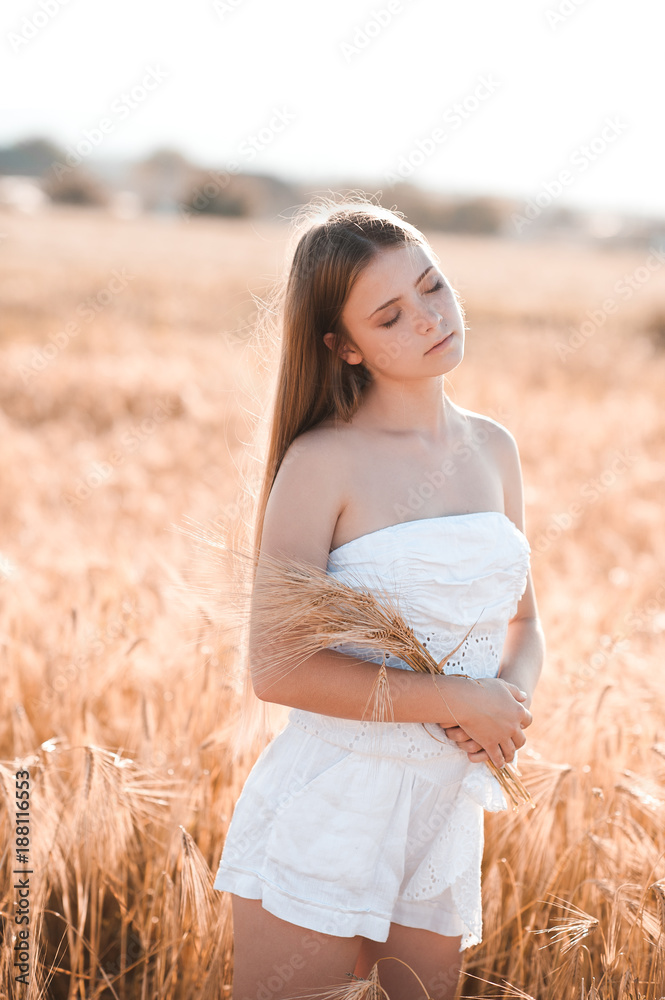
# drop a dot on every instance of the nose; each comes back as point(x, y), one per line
point(427, 318)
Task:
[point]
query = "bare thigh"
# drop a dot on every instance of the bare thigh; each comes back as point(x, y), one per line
point(436, 959)
point(276, 960)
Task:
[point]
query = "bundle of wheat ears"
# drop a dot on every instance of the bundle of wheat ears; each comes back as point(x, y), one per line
point(301, 609)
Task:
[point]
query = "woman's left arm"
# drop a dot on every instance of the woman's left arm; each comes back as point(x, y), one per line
point(523, 654)
point(521, 664)
point(524, 648)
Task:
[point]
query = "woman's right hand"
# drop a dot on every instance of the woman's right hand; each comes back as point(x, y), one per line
point(491, 714)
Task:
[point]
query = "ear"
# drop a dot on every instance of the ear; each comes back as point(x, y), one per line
point(346, 352)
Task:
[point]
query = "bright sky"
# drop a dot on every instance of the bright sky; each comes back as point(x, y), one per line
point(350, 91)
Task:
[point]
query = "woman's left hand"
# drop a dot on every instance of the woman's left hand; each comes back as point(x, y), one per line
point(473, 749)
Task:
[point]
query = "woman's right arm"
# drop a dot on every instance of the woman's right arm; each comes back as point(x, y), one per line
point(306, 499)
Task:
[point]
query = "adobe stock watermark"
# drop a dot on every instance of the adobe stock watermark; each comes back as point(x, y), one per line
point(96, 642)
point(248, 150)
point(132, 440)
point(91, 306)
point(120, 110)
point(370, 29)
point(427, 828)
point(581, 158)
point(590, 492)
point(437, 478)
point(454, 118)
point(282, 972)
point(625, 288)
point(562, 12)
point(224, 7)
point(634, 620)
point(33, 24)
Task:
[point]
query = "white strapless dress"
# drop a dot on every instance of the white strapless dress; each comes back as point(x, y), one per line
point(345, 826)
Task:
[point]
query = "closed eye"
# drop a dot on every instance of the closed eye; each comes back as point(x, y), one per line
point(435, 288)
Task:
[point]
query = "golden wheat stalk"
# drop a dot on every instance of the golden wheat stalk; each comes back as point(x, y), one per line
point(301, 609)
point(361, 988)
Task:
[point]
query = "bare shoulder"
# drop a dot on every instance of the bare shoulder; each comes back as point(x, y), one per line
point(500, 447)
point(484, 428)
point(308, 494)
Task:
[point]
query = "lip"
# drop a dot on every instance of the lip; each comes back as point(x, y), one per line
point(438, 346)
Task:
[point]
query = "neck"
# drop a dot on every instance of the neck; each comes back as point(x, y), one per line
point(419, 407)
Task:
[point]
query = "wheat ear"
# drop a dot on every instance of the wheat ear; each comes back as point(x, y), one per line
point(302, 609)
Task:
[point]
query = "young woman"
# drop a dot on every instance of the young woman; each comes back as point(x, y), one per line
point(372, 471)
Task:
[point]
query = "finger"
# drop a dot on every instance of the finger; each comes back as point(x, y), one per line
point(470, 746)
point(527, 720)
point(519, 739)
point(516, 691)
point(456, 733)
point(508, 749)
point(496, 755)
point(479, 756)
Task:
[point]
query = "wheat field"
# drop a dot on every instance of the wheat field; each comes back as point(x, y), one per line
point(127, 405)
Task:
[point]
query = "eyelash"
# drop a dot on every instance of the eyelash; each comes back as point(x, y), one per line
point(391, 322)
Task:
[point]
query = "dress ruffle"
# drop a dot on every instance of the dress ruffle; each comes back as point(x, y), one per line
point(455, 857)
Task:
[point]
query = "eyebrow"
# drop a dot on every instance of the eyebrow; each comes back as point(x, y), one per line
point(397, 297)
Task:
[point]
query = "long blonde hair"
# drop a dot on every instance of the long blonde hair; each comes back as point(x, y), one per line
point(334, 242)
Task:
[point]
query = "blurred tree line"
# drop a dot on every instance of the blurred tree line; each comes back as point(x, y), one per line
point(166, 181)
